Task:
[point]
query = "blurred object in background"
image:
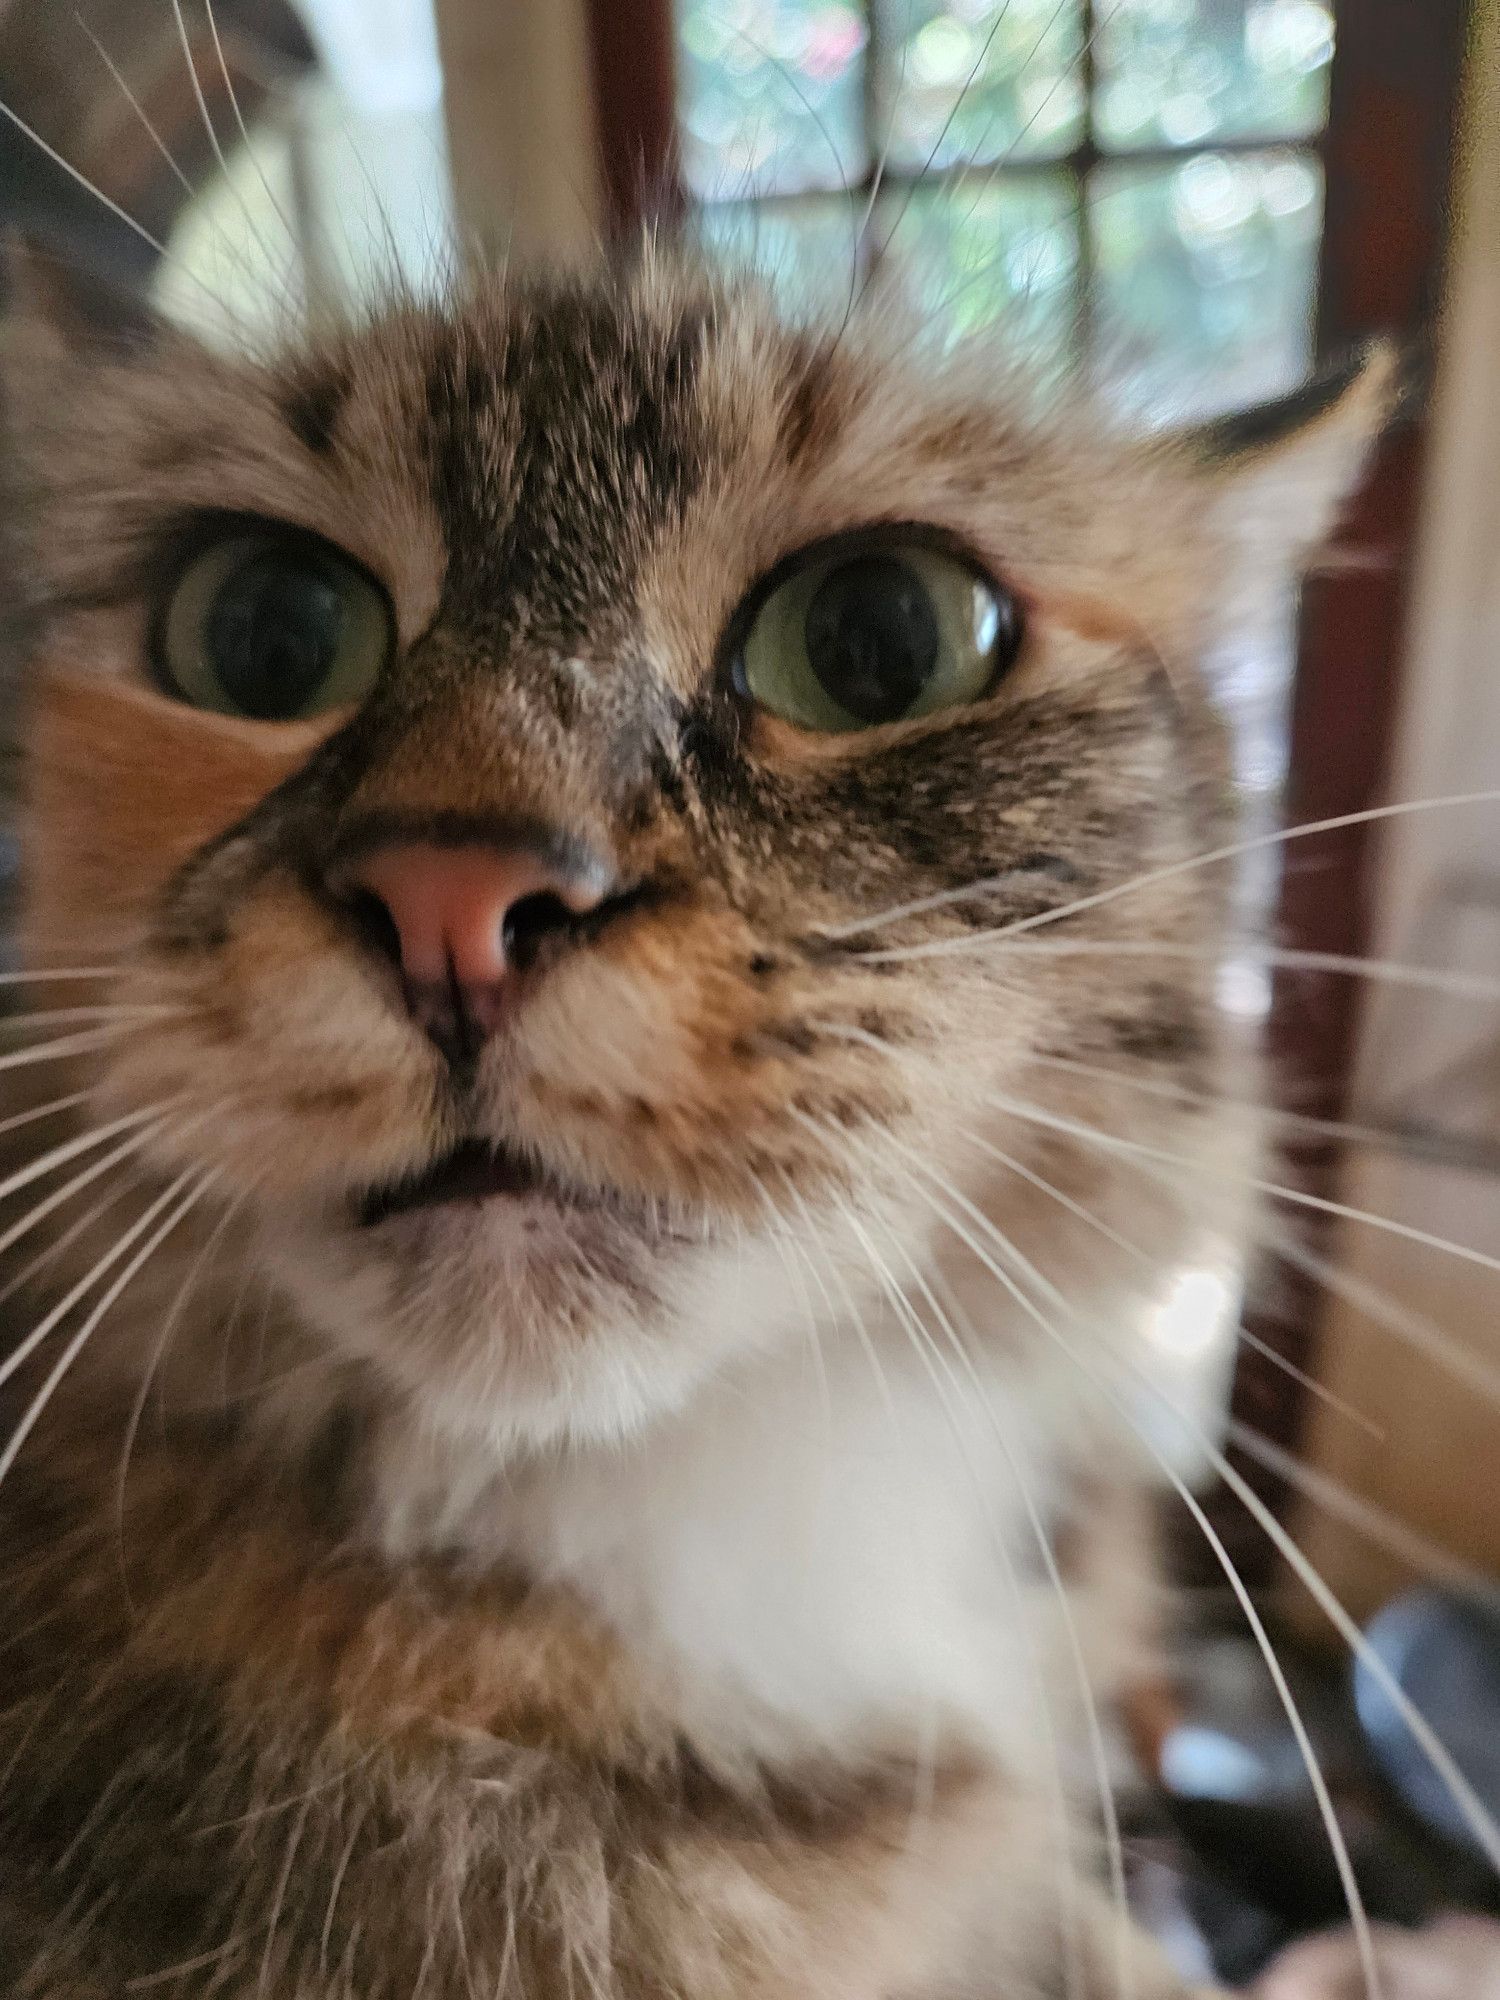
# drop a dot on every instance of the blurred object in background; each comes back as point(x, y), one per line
point(1137, 183)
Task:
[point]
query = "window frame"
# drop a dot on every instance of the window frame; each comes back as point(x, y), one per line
point(1387, 152)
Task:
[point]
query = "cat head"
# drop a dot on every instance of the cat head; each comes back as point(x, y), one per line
point(545, 767)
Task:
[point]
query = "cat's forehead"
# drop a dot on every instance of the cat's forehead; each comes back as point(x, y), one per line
point(554, 435)
point(596, 460)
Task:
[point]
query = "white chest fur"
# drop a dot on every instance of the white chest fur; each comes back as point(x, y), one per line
point(812, 1557)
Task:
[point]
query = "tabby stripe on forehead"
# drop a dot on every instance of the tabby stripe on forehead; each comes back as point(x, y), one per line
point(311, 407)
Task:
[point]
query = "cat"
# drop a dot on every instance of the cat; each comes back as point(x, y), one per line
point(580, 1442)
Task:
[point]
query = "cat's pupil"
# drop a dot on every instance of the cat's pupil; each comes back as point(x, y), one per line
point(273, 633)
point(872, 637)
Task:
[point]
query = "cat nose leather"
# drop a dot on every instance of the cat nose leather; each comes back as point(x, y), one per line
point(460, 917)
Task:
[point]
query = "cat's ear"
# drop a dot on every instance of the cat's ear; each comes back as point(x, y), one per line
point(1279, 475)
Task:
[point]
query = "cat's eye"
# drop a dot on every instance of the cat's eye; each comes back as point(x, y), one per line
point(274, 626)
point(875, 630)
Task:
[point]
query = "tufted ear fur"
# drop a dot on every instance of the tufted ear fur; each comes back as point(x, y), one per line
point(1281, 474)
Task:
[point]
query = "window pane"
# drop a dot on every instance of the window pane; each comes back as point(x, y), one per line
point(771, 95)
point(1001, 255)
point(1177, 72)
point(804, 248)
point(978, 79)
point(1206, 277)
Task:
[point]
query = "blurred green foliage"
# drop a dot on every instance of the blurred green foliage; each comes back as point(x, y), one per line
point(1201, 272)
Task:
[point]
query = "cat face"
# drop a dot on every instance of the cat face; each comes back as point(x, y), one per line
point(499, 748)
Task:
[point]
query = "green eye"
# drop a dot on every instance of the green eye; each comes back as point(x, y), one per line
point(865, 633)
point(274, 627)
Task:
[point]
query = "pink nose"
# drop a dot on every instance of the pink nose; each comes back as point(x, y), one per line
point(460, 917)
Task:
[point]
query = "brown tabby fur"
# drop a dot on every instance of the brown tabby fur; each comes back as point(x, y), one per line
point(271, 1723)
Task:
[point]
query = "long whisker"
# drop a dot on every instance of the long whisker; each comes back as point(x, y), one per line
point(135, 104)
point(937, 1368)
point(854, 1317)
point(1344, 1864)
point(1109, 1812)
point(121, 214)
point(788, 1243)
point(1142, 1258)
point(72, 1017)
point(175, 1311)
point(23, 1352)
point(1475, 1813)
point(76, 1345)
point(1205, 1100)
point(1420, 1333)
point(69, 1236)
point(50, 1110)
point(988, 885)
point(239, 119)
point(1111, 1142)
point(83, 1043)
point(30, 975)
point(211, 133)
point(33, 1216)
point(945, 128)
point(1461, 985)
point(1416, 1552)
point(70, 1149)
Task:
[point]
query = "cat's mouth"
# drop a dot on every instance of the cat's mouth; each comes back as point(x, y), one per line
point(475, 1170)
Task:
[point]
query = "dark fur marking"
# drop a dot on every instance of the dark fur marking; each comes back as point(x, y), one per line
point(312, 406)
point(810, 416)
point(1170, 1036)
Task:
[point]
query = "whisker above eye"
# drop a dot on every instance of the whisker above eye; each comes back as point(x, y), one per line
point(120, 214)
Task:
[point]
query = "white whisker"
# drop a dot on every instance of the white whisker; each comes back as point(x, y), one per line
point(58, 1156)
point(33, 1216)
point(1323, 1205)
point(72, 1017)
point(30, 976)
point(61, 1244)
point(135, 104)
point(937, 1368)
point(83, 1043)
point(239, 119)
point(1343, 1862)
point(1205, 1100)
point(1460, 985)
point(76, 1345)
point(22, 1352)
point(1243, 1335)
point(1416, 1552)
point(174, 1313)
point(121, 214)
point(1420, 1333)
point(988, 885)
point(39, 1111)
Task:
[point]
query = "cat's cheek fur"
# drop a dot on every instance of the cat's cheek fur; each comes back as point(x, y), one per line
point(123, 786)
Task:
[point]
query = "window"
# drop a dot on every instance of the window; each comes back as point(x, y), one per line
point(1137, 183)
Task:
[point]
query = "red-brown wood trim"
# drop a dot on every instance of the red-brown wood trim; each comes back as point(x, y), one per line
point(632, 45)
point(1396, 85)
